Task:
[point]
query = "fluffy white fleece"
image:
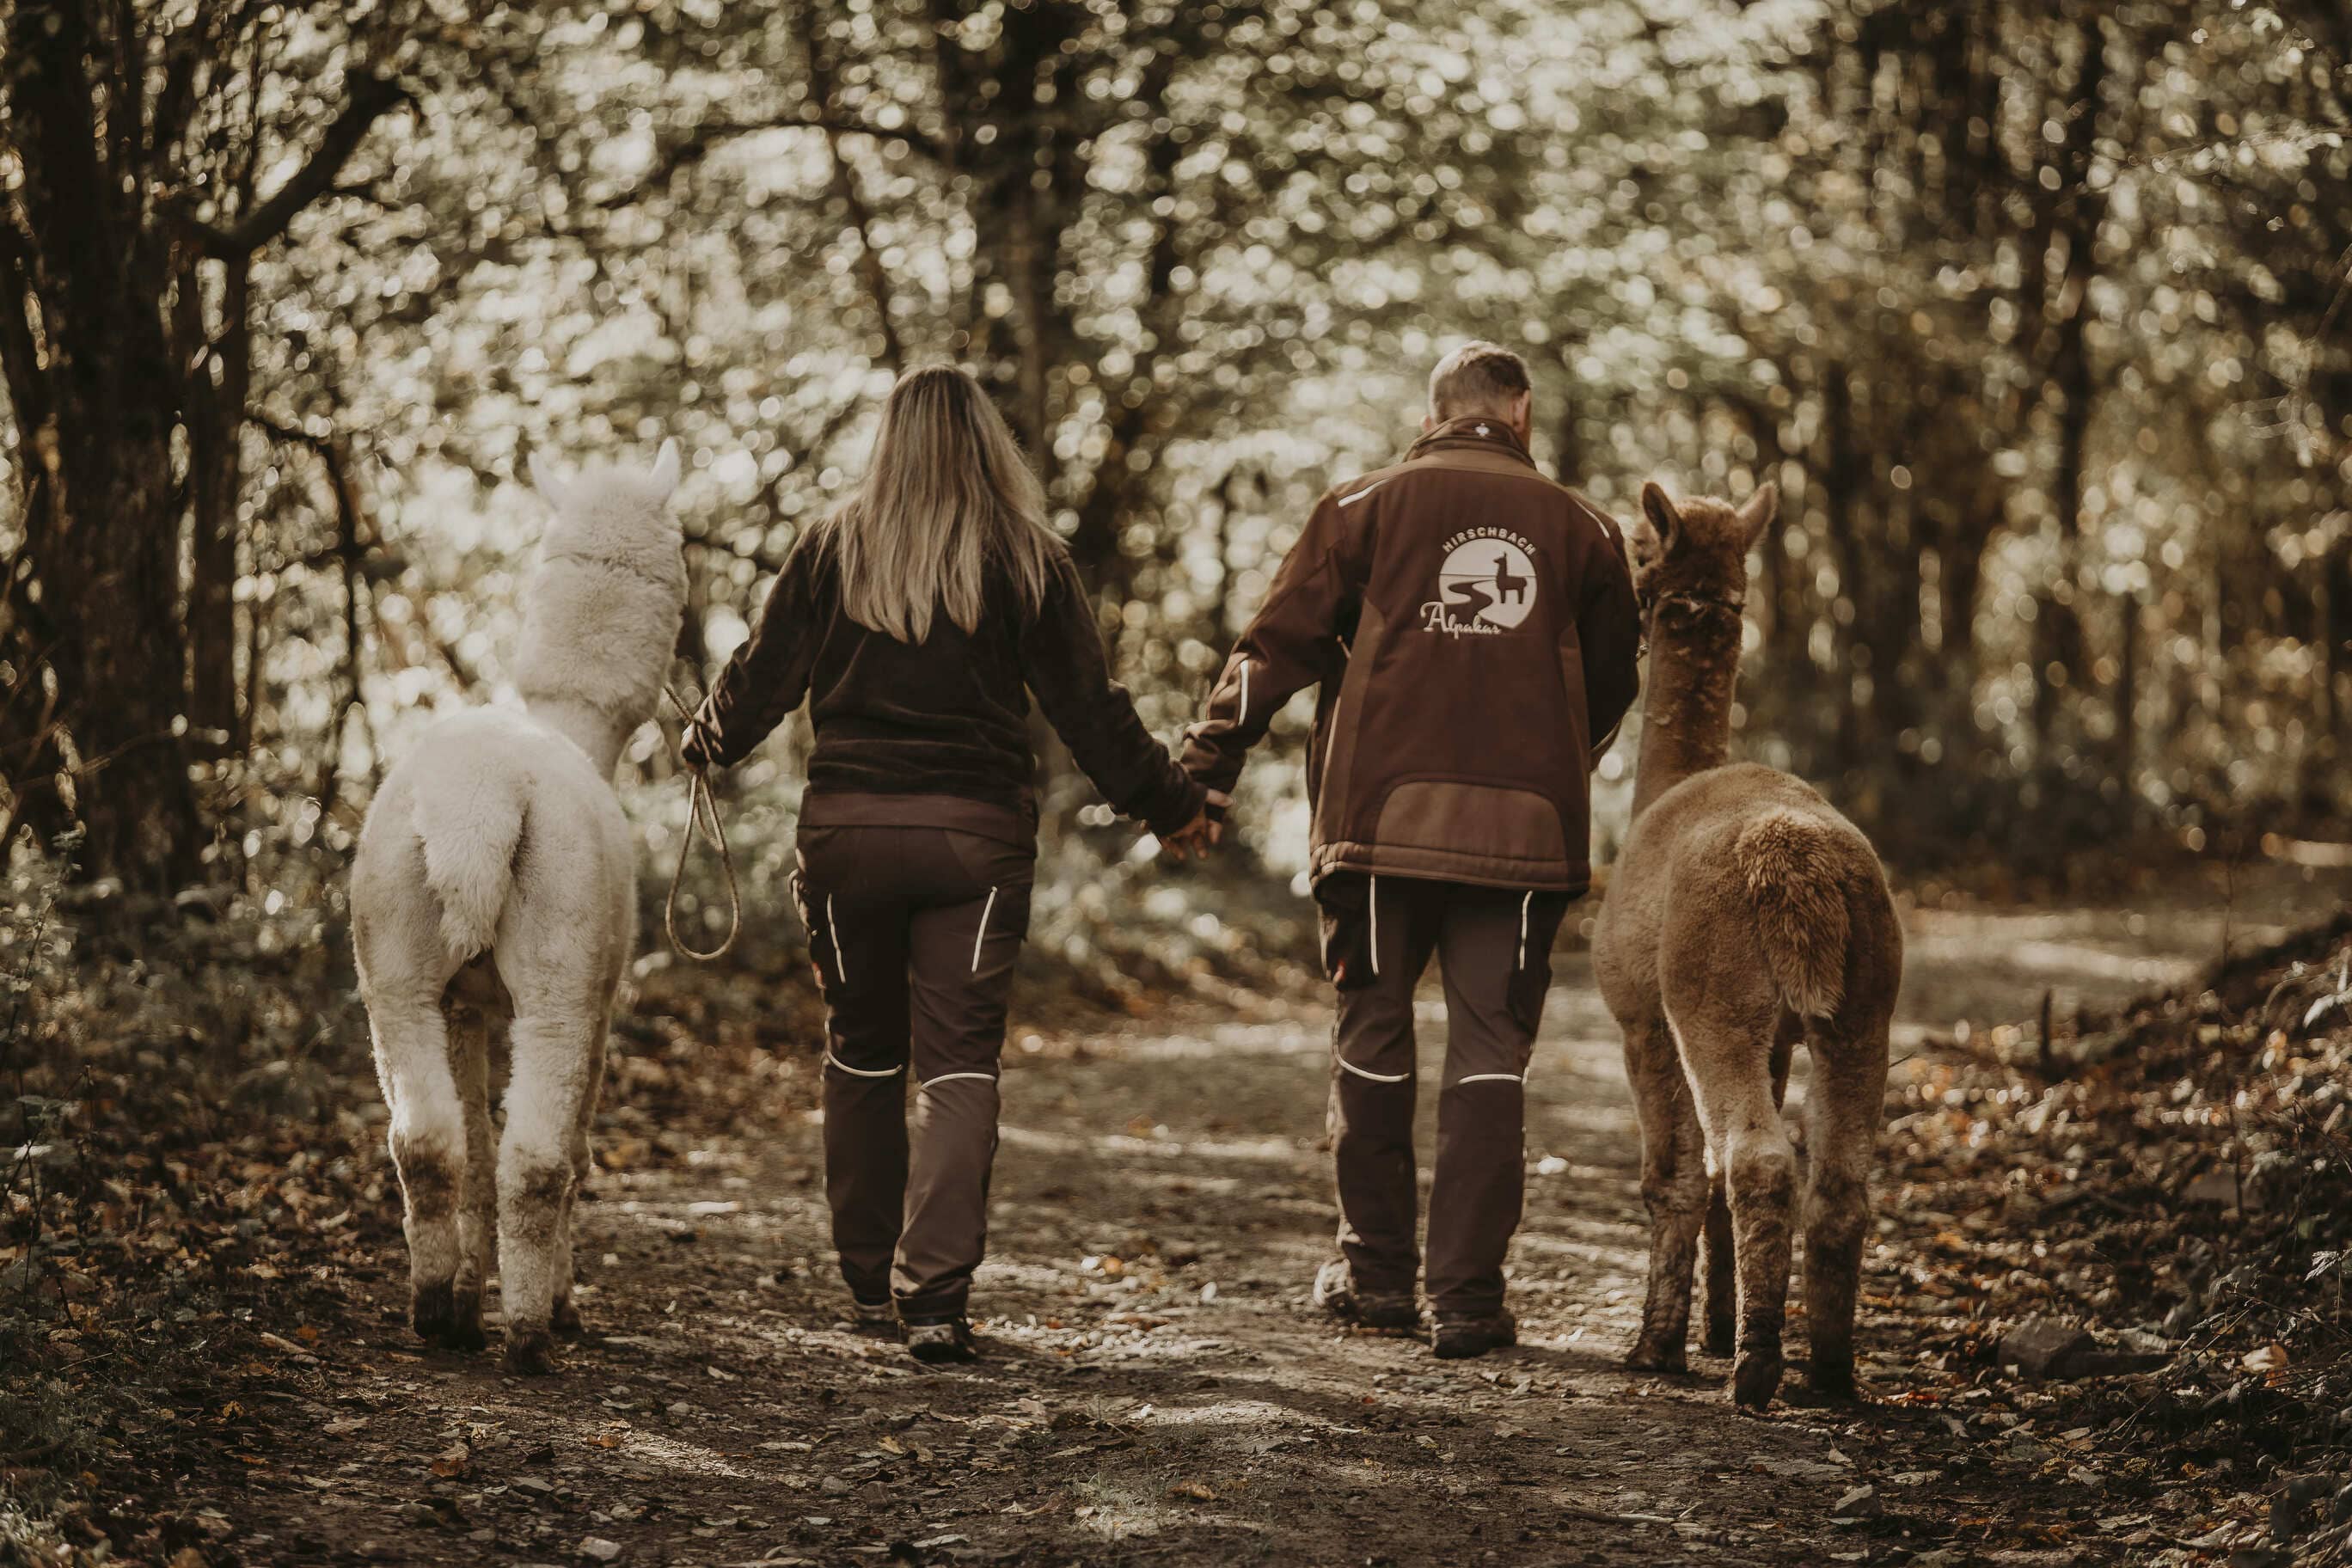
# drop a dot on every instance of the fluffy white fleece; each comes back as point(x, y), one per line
point(500, 838)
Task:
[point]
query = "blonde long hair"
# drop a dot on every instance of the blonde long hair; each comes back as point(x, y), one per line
point(947, 494)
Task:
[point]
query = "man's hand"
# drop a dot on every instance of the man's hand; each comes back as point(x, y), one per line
point(1200, 834)
point(696, 744)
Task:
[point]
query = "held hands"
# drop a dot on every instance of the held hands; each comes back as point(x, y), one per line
point(697, 743)
point(1200, 834)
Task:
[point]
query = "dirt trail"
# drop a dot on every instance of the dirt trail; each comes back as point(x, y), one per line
point(1157, 1387)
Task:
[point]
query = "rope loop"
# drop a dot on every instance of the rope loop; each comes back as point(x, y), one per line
point(702, 821)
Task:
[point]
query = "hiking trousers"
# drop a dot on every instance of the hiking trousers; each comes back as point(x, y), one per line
point(1494, 948)
point(913, 932)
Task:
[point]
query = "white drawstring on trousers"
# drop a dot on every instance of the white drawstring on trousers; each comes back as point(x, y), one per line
point(1530, 898)
point(986, 910)
point(950, 1077)
point(863, 1072)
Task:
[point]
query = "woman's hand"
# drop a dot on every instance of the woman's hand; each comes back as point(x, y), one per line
point(1200, 834)
point(696, 744)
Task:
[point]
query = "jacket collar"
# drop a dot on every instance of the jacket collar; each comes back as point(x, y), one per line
point(1481, 431)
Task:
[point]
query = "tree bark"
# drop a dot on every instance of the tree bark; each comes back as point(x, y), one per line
point(105, 545)
point(214, 410)
point(2058, 625)
point(99, 265)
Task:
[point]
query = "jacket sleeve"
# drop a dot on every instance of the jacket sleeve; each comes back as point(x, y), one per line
point(768, 677)
point(1063, 661)
point(1609, 632)
point(1290, 644)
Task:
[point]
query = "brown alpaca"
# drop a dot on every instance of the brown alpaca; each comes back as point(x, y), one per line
point(1744, 915)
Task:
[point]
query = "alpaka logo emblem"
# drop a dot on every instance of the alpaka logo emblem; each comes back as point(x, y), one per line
point(1487, 586)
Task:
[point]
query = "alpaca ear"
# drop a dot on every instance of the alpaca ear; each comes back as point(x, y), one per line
point(664, 475)
point(546, 481)
point(1659, 519)
point(1758, 511)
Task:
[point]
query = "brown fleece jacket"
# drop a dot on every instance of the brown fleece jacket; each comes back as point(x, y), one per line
point(1473, 627)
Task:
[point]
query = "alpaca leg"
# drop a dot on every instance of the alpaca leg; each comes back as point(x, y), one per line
point(428, 1140)
point(1674, 1188)
point(478, 1204)
point(1722, 1271)
point(1722, 1266)
point(551, 1052)
point(1727, 1056)
point(1844, 1106)
point(566, 1316)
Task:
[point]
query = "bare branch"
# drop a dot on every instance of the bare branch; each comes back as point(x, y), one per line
point(844, 183)
point(372, 98)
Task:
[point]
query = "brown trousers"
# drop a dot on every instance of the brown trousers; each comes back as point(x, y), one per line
point(914, 932)
point(1494, 946)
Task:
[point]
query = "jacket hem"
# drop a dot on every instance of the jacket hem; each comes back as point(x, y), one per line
point(960, 814)
point(1546, 875)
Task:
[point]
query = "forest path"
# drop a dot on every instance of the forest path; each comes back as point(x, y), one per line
point(1157, 1388)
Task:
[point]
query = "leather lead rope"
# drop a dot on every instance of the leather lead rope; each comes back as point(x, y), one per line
point(702, 821)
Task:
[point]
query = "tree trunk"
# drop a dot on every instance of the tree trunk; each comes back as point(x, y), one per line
point(216, 422)
point(2127, 700)
point(104, 546)
point(2058, 628)
point(94, 251)
point(1841, 477)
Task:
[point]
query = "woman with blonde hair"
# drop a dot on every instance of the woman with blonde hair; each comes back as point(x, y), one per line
point(917, 621)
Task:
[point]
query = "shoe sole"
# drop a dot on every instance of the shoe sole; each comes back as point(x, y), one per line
point(1352, 1311)
point(1468, 1352)
point(943, 1355)
point(1470, 1348)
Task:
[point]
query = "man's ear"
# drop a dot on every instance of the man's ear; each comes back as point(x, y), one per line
point(1658, 514)
point(546, 481)
point(1523, 417)
point(1428, 420)
point(1756, 514)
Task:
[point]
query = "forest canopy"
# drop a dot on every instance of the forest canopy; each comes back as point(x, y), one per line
point(2035, 313)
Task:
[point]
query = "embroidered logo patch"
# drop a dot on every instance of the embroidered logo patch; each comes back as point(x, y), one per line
point(1487, 586)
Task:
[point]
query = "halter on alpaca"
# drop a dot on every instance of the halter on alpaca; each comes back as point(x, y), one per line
point(494, 895)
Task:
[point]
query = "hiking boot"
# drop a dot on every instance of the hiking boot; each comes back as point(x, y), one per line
point(1460, 1338)
point(940, 1342)
point(1335, 1291)
point(879, 1320)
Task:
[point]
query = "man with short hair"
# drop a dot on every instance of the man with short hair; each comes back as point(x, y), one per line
point(1473, 629)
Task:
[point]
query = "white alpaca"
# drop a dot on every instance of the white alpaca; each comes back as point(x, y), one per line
point(495, 890)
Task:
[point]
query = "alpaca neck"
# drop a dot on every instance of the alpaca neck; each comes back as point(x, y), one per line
point(1686, 715)
point(586, 726)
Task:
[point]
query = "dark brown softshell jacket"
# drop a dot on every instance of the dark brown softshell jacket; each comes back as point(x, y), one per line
point(904, 727)
point(1472, 626)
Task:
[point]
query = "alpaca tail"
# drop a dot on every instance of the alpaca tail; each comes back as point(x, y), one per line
point(1792, 867)
point(469, 815)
